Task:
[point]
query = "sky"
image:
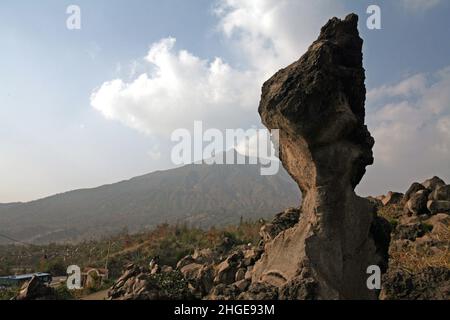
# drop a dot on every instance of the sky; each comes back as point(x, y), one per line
point(96, 105)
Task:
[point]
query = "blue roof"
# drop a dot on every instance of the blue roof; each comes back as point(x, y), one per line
point(25, 276)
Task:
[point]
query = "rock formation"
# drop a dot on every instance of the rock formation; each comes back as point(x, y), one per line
point(140, 283)
point(418, 260)
point(317, 103)
point(323, 249)
point(35, 289)
point(429, 284)
point(427, 198)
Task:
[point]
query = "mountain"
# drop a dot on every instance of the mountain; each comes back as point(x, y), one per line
point(196, 194)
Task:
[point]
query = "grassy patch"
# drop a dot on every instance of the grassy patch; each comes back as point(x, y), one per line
point(391, 212)
point(8, 293)
point(169, 242)
point(417, 256)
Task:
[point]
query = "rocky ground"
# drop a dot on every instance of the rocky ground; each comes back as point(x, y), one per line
point(419, 264)
point(419, 258)
point(323, 249)
point(219, 273)
point(35, 290)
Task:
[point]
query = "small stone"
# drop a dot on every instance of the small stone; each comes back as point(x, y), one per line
point(166, 269)
point(156, 269)
point(242, 285)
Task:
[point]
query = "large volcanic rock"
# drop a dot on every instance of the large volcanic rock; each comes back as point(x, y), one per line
point(317, 103)
point(35, 289)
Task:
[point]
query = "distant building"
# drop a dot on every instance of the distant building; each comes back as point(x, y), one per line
point(18, 280)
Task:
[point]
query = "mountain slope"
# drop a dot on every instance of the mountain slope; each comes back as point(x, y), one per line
point(197, 194)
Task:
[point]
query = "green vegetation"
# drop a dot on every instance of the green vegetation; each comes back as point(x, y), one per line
point(62, 293)
point(169, 243)
point(8, 293)
point(171, 285)
point(394, 223)
point(427, 227)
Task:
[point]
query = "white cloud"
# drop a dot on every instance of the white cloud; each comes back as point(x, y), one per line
point(418, 5)
point(273, 33)
point(406, 88)
point(254, 146)
point(179, 87)
point(410, 122)
point(154, 153)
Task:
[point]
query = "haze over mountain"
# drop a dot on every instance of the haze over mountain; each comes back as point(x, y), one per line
point(197, 194)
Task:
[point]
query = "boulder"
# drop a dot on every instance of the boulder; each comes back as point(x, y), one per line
point(204, 256)
point(251, 256)
point(35, 290)
point(124, 285)
point(190, 271)
point(441, 193)
point(226, 271)
point(142, 285)
point(282, 221)
point(433, 183)
point(375, 201)
point(392, 198)
point(417, 204)
point(432, 283)
point(225, 245)
point(410, 231)
point(299, 288)
point(260, 291)
point(224, 292)
point(438, 206)
point(317, 104)
point(131, 270)
point(412, 190)
point(200, 277)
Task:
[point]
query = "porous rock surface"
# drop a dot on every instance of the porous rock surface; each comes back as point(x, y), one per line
point(317, 104)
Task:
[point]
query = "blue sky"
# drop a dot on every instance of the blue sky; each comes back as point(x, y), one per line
point(81, 108)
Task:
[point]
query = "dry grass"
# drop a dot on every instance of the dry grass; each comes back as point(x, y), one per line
point(391, 212)
point(416, 256)
point(414, 260)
